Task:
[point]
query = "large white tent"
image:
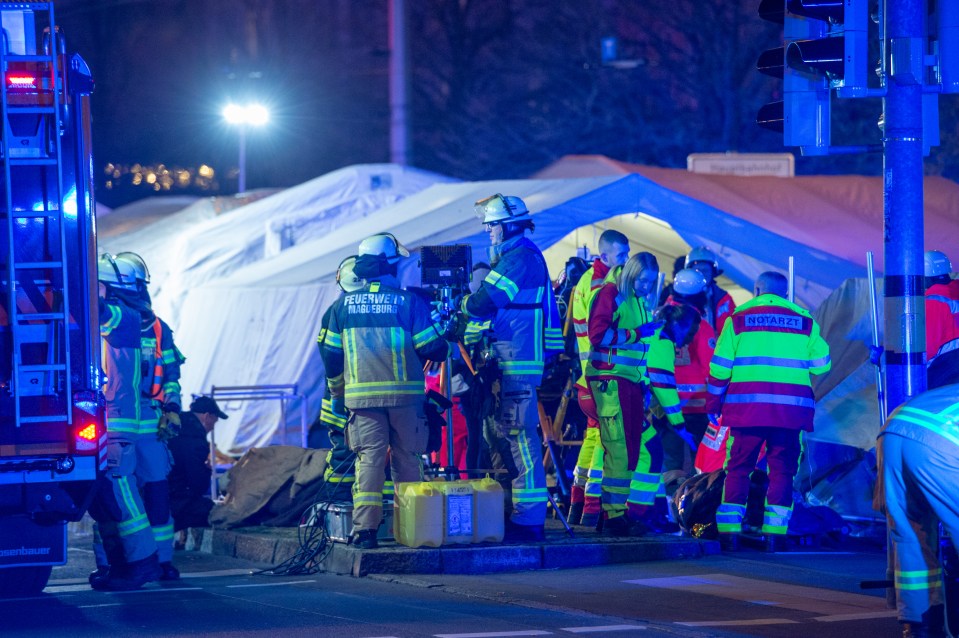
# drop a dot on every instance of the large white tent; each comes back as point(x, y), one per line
point(257, 326)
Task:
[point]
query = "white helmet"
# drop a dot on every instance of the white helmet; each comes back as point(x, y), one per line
point(346, 278)
point(383, 244)
point(139, 266)
point(935, 263)
point(118, 273)
point(689, 282)
point(499, 208)
point(702, 253)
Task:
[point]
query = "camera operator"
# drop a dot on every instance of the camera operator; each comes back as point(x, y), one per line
point(524, 329)
point(377, 342)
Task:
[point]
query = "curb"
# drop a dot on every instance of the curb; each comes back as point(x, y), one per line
point(272, 546)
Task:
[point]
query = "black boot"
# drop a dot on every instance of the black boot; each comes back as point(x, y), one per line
point(169, 572)
point(364, 539)
point(729, 542)
point(575, 513)
point(776, 543)
point(131, 576)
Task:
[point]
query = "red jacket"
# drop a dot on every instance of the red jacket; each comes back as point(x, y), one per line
point(942, 318)
point(692, 367)
point(719, 306)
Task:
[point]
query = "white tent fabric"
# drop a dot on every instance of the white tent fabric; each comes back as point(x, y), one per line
point(218, 247)
point(270, 311)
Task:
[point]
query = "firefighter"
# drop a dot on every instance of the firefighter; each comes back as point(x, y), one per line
point(719, 304)
point(586, 493)
point(622, 335)
point(760, 380)
point(918, 452)
point(160, 402)
point(516, 297)
point(942, 320)
point(379, 338)
point(692, 369)
point(340, 472)
point(124, 546)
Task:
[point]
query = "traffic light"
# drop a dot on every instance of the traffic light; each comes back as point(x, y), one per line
point(825, 46)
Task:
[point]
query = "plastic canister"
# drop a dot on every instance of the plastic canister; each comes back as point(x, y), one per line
point(458, 512)
point(418, 515)
point(489, 513)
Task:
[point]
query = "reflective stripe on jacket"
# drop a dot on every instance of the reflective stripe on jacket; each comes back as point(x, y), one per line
point(932, 418)
point(517, 298)
point(120, 360)
point(692, 369)
point(160, 363)
point(662, 378)
point(377, 341)
point(586, 288)
point(760, 371)
point(330, 417)
point(620, 332)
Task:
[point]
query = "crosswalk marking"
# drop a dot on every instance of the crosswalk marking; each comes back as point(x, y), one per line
point(889, 613)
point(497, 634)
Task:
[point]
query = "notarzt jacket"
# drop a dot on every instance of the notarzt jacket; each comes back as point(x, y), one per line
point(760, 371)
point(376, 344)
point(120, 336)
point(586, 288)
point(517, 298)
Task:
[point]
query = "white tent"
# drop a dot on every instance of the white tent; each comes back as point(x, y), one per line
point(257, 326)
point(218, 247)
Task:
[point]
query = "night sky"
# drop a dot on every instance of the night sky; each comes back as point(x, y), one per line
point(500, 88)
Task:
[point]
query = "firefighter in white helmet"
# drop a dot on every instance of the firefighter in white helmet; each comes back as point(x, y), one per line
point(125, 549)
point(160, 402)
point(516, 297)
point(374, 350)
point(340, 472)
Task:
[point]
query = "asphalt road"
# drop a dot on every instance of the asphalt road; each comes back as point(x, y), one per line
point(747, 594)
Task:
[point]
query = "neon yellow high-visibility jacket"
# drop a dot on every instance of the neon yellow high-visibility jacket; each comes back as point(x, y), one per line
point(586, 288)
point(760, 373)
point(661, 369)
point(376, 344)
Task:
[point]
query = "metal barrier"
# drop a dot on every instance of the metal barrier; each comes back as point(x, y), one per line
point(281, 393)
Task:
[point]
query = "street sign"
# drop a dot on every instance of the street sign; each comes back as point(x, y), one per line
point(744, 164)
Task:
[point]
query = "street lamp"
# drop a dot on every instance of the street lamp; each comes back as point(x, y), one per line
point(243, 116)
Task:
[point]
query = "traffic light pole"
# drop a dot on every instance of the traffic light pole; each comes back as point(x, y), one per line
point(904, 304)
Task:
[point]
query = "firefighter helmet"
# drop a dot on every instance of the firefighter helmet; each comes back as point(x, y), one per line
point(118, 273)
point(702, 253)
point(935, 263)
point(384, 244)
point(498, 209)
point(689, 282)
point(139, 266)
point(346, 278)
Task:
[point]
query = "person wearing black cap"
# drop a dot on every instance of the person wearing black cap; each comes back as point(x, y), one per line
point(189, 479)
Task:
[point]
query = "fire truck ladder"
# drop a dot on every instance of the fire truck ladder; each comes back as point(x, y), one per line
point(36, 271)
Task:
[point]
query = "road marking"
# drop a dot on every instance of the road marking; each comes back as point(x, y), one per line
point(590, 630)
point(822, 602)
point(497, 634)
point(889, 613)
point(221, 572)
point(735, 623)
point(80, 549)
point(763, 602)
point(156, 590)
point(100, 605)
point(289, 582)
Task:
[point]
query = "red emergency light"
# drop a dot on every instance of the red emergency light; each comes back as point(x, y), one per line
point(20, 81)
point(88, 433)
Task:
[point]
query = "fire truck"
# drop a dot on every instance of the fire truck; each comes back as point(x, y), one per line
point(52, 423)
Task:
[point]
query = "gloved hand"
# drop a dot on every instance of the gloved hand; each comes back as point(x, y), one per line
point(338, 405)
point(168, 426)
point(170, 407)
point(714, 419)
point(875, 355)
